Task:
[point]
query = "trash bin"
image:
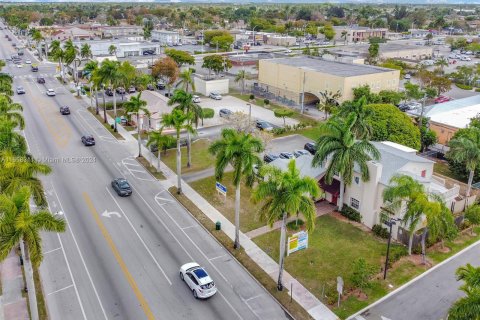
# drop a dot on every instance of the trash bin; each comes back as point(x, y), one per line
point(218, 225)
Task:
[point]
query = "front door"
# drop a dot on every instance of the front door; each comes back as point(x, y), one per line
point(334, 199)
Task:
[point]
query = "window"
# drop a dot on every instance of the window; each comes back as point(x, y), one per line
point(424, 173)
point(354, 203)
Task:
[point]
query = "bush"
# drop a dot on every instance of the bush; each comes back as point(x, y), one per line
point(396, 252)
point(380, 231)
point(208, 113)
point(477, 89)
point(463, 86)
point(279, 130)
point(252, 96)
point(266, 101)
point(295, 224)
point(361, 273)
point(351, 214)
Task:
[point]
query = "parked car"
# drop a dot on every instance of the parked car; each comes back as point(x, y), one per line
point(88, 140)
point(263, 125)
point(407, 76)
point(198, 280)
point(148, 52)
point(120, 90)
point(310, 147)
point(168, 94)
point(196, 99)
point(131, 89)
point(41, 80)
point(50, 92)
point(215, 95)
point(122, 187)
point(28, 61)
point(225, 113)
point(465, 58)
point(300, 152)
point(64, 110)
point(160, 85)
point(20, 90)
point(150, 87)
point(441, 99)
point(109, 92)
point(269, 157)
point(286, 155)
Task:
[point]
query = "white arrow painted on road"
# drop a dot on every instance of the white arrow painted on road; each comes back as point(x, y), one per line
point(108, 214)
point(384, 318)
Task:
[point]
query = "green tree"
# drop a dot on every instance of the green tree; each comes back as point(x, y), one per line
point(284, 193)
point(338, 145)
point(180, 57)
point(283, 113)
point(10, 139)
point(86, 51)
point(58, 54)
point(442, 63)
point(137, 105)
point(167, 70)
point(328, 101)
point(108, 75)
point(216, 63)
point(240, 150)
point(223, 42)
point(179, 121)
point(186, 79)
point(112, 50)
point(242, 75)
point(344, 36)
point(472, 215)
point(10, 111)
point(160, 141)
point(37, 37)
point(328, 31)
point(358, 113)
point(373, 52)
point(467, 307)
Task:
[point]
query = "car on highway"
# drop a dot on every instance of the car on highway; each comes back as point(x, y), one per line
point(310, 147)
point(160, 85)
point(225, 113)
point(64, 110)
point(50, 92)
point(263, 125)
point(34, 68)
point(215, 95)
point(41, 80)
point(88, 140)
point(269, 157)
point(442, 99)
point(286, 155)
point(300, 152)
point(122, 187)
point(28, 61)
point(198, 280)
point(196, 99)
point(131, 89)
point(20, 90)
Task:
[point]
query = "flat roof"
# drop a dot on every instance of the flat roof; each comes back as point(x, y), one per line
point(455, 113)
point(340, 69)
point(383, 47)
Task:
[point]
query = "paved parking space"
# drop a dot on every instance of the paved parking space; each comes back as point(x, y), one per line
point(287, 144)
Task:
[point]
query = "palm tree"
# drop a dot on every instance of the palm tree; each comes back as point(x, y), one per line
point(9, 111)
point(466, 149)
point(344, 36)
point(112, 50)
point(86, 51)
point(242, 75)
point(442, 63)
point(467, 307)
point(58, 53)
point(137, 105)
point(178, 120)
point(359, 113)
point(71, 53)
point(161, 141)
point(108, 75)
point(90, 70)
point(37, 37)
point(5, 83)
point(285, 193)
point(10, 139)
point(240, 150)
point(186, 79)
point(337, 144)
point(186, 104)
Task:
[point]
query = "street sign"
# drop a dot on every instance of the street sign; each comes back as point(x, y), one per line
point(340, 285)
point(221, 188)
point(118, 119)
point(297, 241)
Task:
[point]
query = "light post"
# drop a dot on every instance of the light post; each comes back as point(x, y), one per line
point(253, 35)
point(138, 133)
point(249, 115)
point(390, 223)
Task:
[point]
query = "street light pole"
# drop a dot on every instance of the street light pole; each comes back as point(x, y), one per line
point(390, 224)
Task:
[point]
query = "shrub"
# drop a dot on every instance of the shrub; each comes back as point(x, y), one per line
point(463, 86)
point(279, 130)
point(380, 231)
point(266, 101)
point(351, 214)
point(477, 89)
point(252, 96)
point(295, 224)
point(396, 252)
point(361, 273)
point(208, 113)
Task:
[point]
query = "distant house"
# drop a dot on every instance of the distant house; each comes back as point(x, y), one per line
point(74, 34)
point(165, 37)
point(367, 197)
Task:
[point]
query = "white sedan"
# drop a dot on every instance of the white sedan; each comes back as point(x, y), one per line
point(50, 92)
point(28, 62)
point(19, 65)
point(198, 280)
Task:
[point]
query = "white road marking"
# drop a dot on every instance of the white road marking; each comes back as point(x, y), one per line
point(64, 288)
point(162, 200)
point(109, 214)
point(139, 237)
point(254, 297)
point(53, 250)
point(83, 262)
point(218, 257)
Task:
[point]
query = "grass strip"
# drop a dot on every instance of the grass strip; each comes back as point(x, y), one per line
point(117, 135)
point(150, 168)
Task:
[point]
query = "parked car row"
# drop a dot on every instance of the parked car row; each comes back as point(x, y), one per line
point(308, 148)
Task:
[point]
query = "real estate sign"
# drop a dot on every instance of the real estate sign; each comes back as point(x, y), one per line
point(221, 188)
point(297, 241)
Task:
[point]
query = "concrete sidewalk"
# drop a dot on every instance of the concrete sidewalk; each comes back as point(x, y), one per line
point(12, 305)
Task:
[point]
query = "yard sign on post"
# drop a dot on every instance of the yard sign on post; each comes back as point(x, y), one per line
point(339, 289)
point(297, 241)
point(221, 189)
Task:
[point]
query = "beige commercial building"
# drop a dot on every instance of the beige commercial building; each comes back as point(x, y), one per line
point(355, 34)
point(387, 51)
point(289, 77)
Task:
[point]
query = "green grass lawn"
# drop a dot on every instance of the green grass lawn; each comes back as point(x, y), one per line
point(106, 125)
point(201, 158)
point(248, 211)
point(443, 169)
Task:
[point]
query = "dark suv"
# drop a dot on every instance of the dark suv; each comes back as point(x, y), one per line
point(41, 80)
point(269, 157)
point(64, 110)
point(109, 92)
point(88, 140)
point(160, 85)
point(310, 147)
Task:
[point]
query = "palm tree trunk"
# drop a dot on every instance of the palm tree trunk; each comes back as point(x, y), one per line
point(159, 161)
point(282, 251)
point(243, 86)
point(189, 149)
point(114, 111)
point(424, 238)
point(342, 188)
point(236, 245)
point(104, 108)
point(138, 138)
point(27, 266)
point(96, 100)
point(470, 180)
point(410, 243)
point(179, 165)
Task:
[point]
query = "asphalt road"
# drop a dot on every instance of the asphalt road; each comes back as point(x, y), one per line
point(428, 298)
point(120, 257)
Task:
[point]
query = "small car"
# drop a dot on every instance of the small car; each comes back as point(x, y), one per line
point(225, 113)
point(20, 90)
point(160, 85)
point(198, 280)
point(28, 61)
point(19, 65)
point(50, 92)
point(441, 99)
point(196, 99)
point(263, 125)
point(288, 51)
point(109, 92)
point(286, 155)
point(215, 96)
point(150, 87)
point(41, 80)
point(300, 152)
point(64, 110)
point(122, 187)
point(310, 147)
point(269, 157)
point(88, 140)
point(131, 89)
point(407, 76)
point(120, 90)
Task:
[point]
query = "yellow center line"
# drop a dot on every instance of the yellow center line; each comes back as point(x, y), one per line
point(118, 257)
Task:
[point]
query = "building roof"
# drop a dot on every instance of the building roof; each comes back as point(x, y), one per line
point(303, 164)
point(455, 113)
point(165, 31)
point(383, 48)
point(340, 69)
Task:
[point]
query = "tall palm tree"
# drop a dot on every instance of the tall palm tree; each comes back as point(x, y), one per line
point(442, 63)
point(58, 53)
point(178, 120)
point(37, 37)
point(337, 145)
point(359, 114)
point(71, 54)
point(86, 51)
point(285, 193)
point(242, 75)
point(108, 75)
point(186, 104)
point(10, 139)
point(9, 111)
point(112, 49)
point(466, 149)
point(90, 71)
point(186, 79)
point(137, 105)
point(344, 36)
point(159, 140)
point(467, 307)
point(240, 150)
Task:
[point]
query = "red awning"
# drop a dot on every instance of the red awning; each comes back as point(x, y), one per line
point(333, 189)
